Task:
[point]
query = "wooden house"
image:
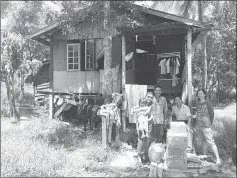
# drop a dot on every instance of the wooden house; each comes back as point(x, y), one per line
point(76, 62)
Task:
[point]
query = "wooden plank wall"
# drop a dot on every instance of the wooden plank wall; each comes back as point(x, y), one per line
point(77, 81)
point(42, 87)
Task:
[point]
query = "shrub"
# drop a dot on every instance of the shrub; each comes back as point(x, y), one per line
point(28, 99)
point(224, 129)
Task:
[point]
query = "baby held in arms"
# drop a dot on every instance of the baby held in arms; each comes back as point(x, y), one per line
point(142, 112)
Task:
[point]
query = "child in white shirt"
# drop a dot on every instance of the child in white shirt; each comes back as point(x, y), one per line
point(142, 112)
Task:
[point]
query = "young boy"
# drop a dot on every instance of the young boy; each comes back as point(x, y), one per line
point(142, 112)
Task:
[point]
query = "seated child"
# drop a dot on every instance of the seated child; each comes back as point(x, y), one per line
point(142, 112)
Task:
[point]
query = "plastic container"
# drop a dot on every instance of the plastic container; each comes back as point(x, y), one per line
point(156, 152)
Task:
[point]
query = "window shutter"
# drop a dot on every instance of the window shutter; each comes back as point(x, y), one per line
point(82, 55)
point(116, 50)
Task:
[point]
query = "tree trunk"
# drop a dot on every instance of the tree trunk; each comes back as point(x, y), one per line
point(22, 86)
point(218, 86)
point(203, 46)
point(8, 97)
point(205, 62)
point(107, 88)
point(14, 113)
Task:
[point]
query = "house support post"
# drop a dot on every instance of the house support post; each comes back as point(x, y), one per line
point(189, 82)
point(189, 67)
point(104, 131)
point(123, 81)
point(51, 104)
point(51, 97)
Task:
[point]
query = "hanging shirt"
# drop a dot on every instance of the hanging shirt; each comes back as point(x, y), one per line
point(177, 66)
point(168, 66)
point(173, 66)
point(163, 66)
point(174, 80)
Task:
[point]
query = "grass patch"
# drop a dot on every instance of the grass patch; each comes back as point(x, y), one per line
point(228, 112)
point(224, 129)
point(22, 156)
point(43, 147)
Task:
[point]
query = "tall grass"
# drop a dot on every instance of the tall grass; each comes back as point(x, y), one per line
point(44, 147)
point(224, 128)
point(225, 136)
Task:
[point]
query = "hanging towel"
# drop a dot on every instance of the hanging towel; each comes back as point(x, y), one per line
point(133, 94)
point(116, 79)
point(174, 80)
point(177, 66)
point(184, 92)
point(168, 65)
point(162, 66)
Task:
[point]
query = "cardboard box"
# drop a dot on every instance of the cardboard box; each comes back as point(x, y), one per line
point(177, 139)
point(174, 163)
point(176, 152)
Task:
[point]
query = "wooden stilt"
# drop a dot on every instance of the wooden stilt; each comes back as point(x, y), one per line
point(104, 131)
point(51, 104)
point(51, 97)
point(123, 80)
point(189, 67)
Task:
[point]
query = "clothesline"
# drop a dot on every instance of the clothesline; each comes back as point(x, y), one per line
point(165, 55)
point(170, 79)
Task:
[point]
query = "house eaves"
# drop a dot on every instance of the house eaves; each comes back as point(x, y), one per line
point(43, 35)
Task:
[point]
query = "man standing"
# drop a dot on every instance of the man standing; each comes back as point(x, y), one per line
point(159, 111)
point(183, 114)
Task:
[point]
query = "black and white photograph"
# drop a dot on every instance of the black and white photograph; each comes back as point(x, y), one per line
point(118, 88)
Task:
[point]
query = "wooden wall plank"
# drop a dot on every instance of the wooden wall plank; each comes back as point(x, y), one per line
point(77, 81)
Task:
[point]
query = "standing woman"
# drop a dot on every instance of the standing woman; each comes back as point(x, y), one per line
point(205, 116)
point(159, 111)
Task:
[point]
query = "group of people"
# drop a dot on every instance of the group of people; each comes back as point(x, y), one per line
point(154, 115)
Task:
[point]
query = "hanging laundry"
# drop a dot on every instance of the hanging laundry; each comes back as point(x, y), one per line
point(177, 66)
point(174, 80)
point(184, 92)
point(172, 66)
point(168, 65)
point(133, 94)
point(116, 79)
point(163, 66)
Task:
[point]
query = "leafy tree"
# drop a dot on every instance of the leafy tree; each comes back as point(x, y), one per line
point(20, 56)
point(10, 48)
point(221, 49)
point(22, 19)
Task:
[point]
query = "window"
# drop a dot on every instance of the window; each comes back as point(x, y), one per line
point(89, 55)
point(73, 56)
